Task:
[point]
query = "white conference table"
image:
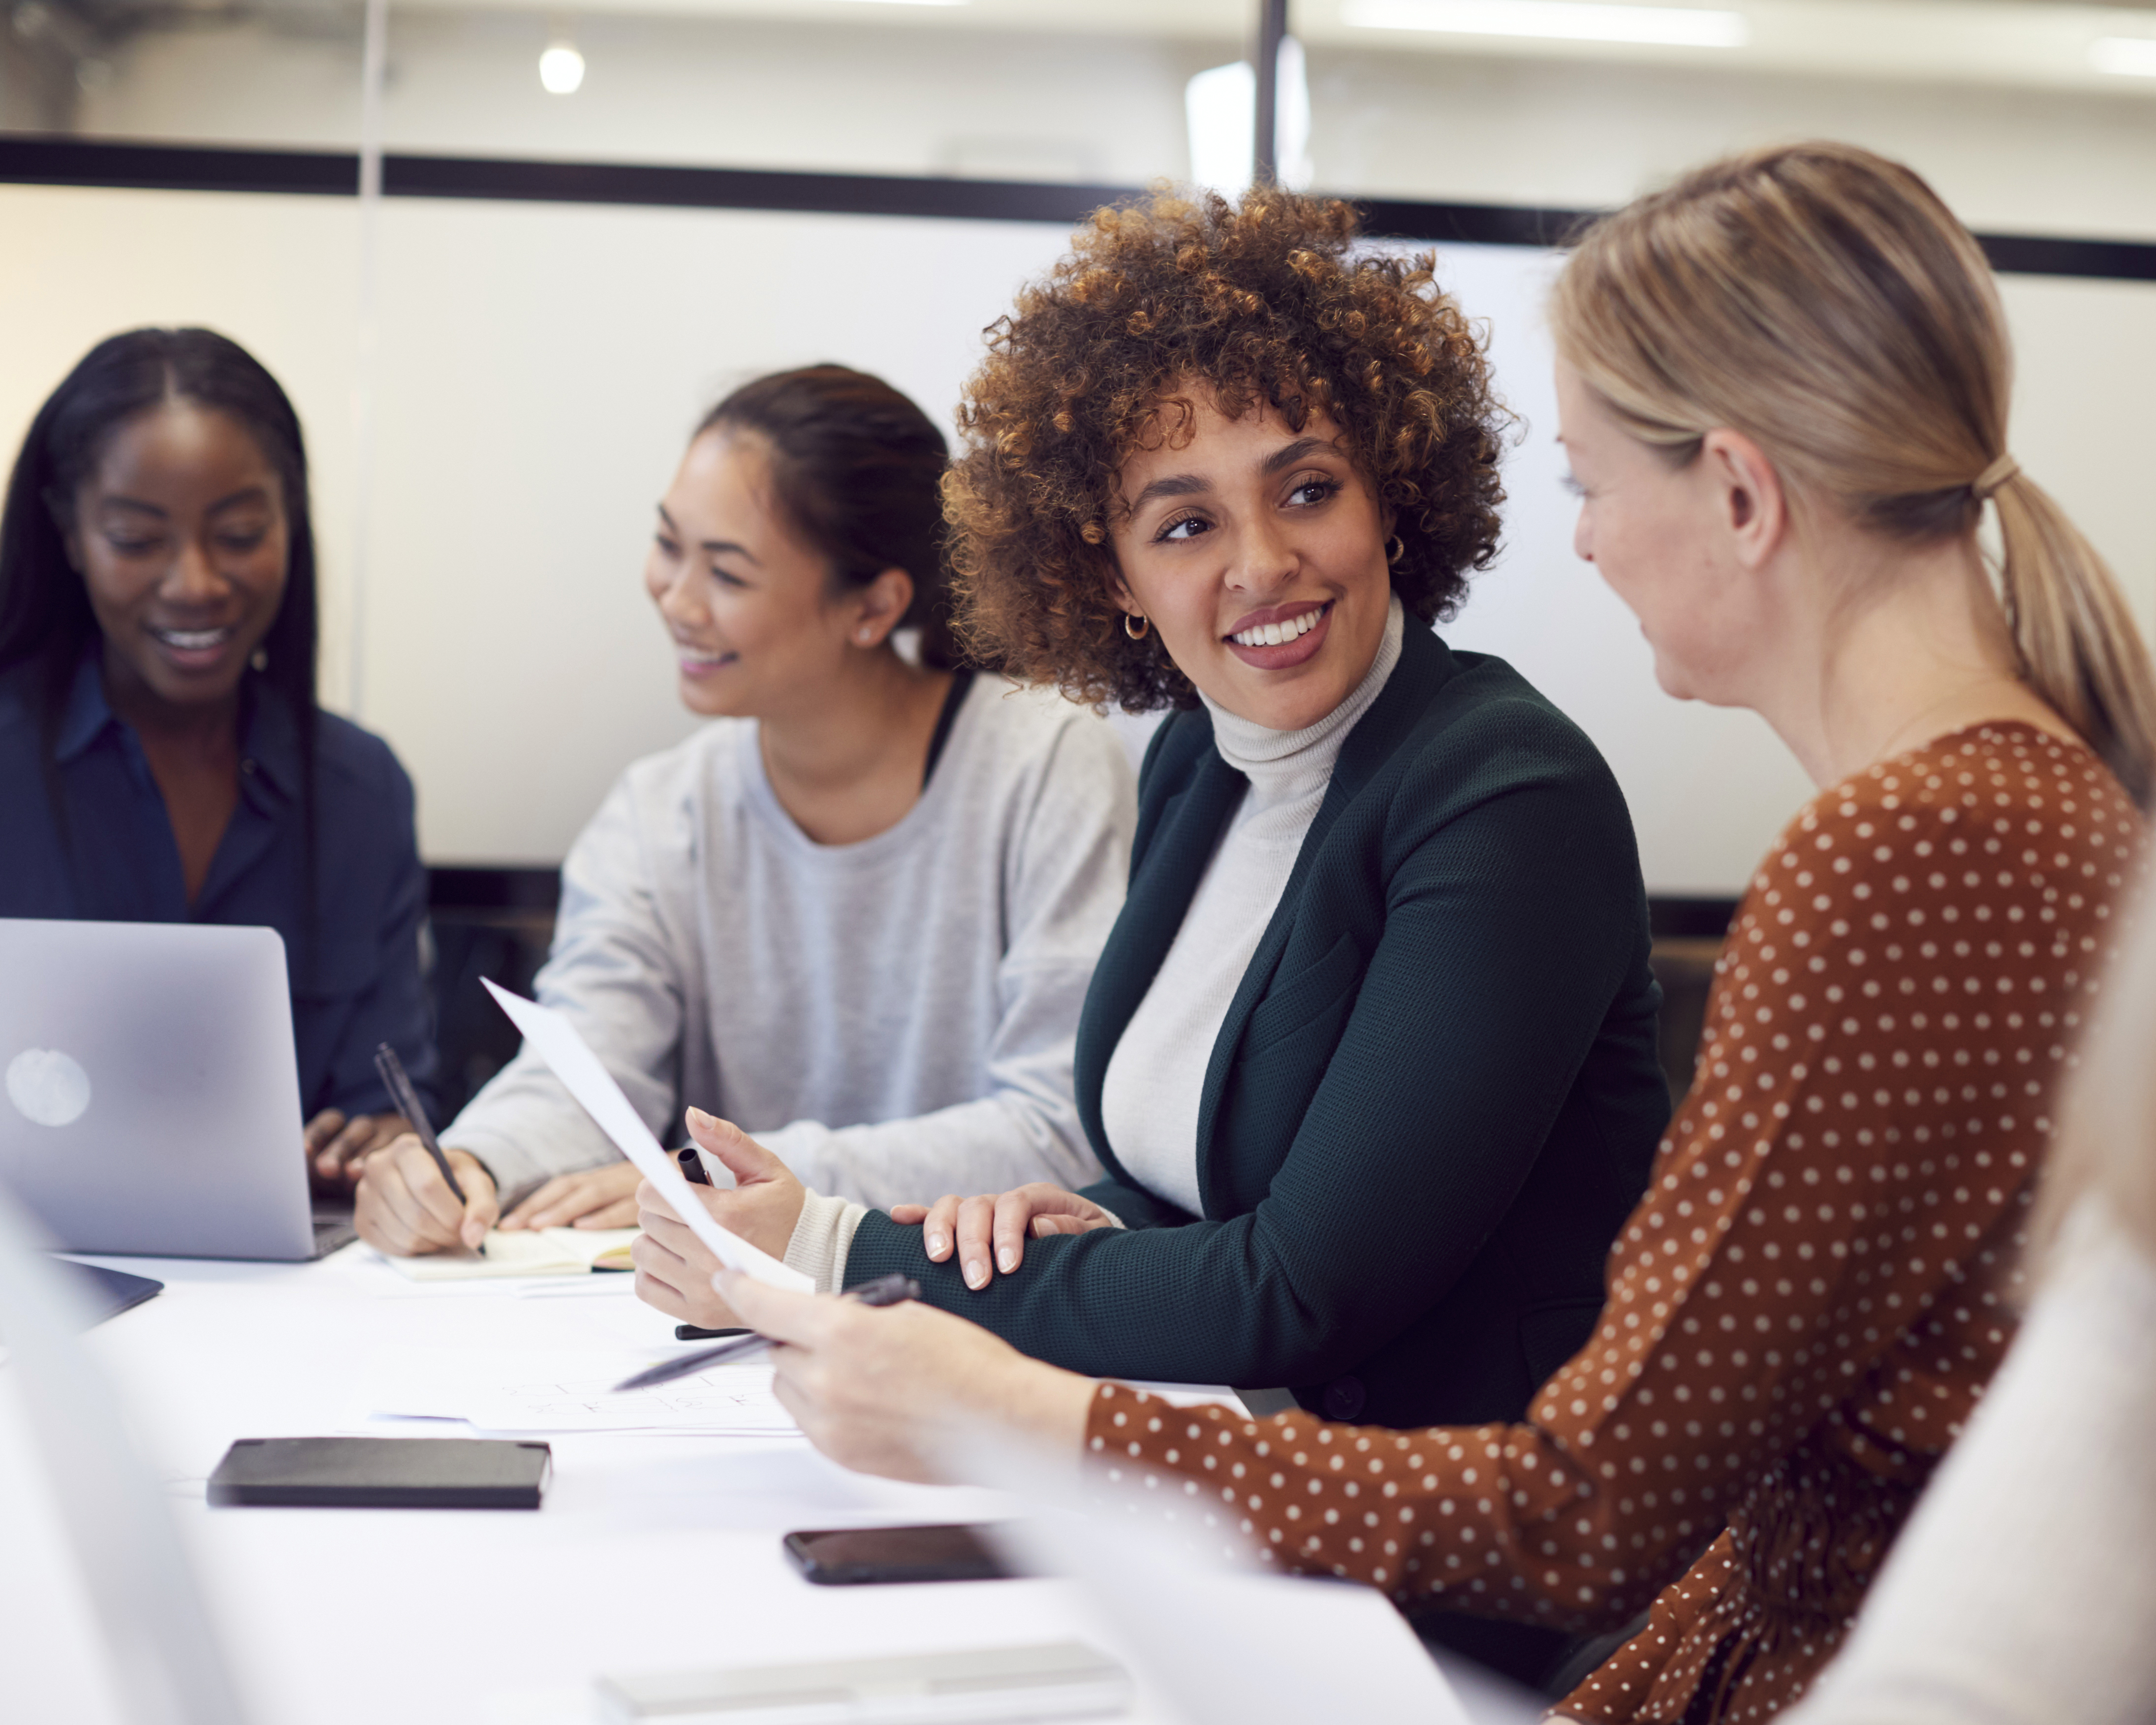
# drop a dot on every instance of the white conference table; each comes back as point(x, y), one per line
point(651, 1553)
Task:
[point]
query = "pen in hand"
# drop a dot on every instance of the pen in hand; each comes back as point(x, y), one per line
point(408, 1102)
point(692, 1171)
point(885, 1291)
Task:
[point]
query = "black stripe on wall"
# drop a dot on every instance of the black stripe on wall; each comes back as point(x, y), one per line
point(32, 159)
point(481, 889)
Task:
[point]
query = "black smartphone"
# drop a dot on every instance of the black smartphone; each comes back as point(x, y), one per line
point(851, 1556)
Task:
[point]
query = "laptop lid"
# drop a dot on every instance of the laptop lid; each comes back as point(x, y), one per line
point(149, 1090)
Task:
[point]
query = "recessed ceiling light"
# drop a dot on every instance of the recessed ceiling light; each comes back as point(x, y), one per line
point(561, 70)
point(1569, 20)
point(2128, 56)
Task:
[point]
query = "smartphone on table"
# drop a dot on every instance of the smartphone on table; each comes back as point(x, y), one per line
point(853, 1557)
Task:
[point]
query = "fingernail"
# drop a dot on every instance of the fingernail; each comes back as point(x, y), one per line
point(938, 1245)
point(697, 1117)
point(1008, 1260)
point(977, 1272)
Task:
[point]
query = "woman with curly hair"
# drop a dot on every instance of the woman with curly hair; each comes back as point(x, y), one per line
point(1783, 386)
point(1369, 1056)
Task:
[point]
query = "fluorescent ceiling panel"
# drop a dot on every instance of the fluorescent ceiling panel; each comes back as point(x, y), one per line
point(1564, 20)
point(2127, 56)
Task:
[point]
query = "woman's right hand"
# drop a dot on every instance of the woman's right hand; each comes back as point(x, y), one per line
point(972, 1226)
point(594, 1197)
point(895, 1389)
point(405, 1208)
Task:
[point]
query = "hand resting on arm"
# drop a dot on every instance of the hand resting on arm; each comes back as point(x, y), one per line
point(1035, 1211)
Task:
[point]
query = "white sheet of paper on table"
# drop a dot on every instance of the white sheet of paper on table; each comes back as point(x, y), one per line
point(571, 1389)
point(572, 1061)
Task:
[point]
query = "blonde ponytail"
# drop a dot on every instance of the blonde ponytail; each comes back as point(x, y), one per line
point(1825, 302)
point(2080, 648)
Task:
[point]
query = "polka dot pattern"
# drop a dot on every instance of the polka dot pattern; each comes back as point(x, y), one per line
point(1808, 1300)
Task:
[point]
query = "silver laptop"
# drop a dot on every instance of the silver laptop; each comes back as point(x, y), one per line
point(149, 1090)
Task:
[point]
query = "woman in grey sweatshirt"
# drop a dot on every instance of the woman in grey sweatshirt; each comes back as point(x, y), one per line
point(859, 911)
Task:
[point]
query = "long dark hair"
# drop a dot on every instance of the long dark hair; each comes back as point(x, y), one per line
point(45, 619)
point(857, 468)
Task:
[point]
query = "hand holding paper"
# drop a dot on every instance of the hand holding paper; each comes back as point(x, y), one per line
point(580, 1070)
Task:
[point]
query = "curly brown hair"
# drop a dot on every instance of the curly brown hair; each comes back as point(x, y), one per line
point(1263, 304)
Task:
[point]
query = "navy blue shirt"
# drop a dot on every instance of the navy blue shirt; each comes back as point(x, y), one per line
point(355, 976)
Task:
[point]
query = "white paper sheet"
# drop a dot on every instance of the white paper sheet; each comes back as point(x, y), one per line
point(592, 1085)
point(540, 1390)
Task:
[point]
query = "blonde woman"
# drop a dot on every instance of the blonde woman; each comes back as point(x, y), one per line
point(1784, 386)
point(2024, 1591)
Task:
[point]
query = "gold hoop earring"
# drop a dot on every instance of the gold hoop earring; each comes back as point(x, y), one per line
point(1143, 626)
point(1397, 550)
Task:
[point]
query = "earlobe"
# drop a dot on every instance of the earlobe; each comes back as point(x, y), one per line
point(1119, 596)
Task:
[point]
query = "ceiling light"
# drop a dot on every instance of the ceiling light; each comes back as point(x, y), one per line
point(1221, 106)
point(1221, 109)
point(1569, 20)
point(2128, 56)
point(561, 70)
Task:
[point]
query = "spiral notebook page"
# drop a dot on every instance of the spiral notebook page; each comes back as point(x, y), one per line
point(572, 1061)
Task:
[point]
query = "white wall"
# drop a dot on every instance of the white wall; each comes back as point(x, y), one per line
point(545, 366)
point(737, 93)
point(541, 366)
point(1400, 121)
point(279, 274)
point(1708, 789)
point(1582, 136)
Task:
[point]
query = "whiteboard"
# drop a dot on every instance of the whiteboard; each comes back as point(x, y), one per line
point(540, 367)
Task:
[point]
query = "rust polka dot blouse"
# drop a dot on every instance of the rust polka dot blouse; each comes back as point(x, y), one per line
point(1809, 1299)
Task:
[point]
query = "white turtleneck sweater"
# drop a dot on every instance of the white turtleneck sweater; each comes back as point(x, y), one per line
point(1150, 1094)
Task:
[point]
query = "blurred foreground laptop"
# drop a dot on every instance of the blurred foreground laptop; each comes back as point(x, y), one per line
point(151, 1103)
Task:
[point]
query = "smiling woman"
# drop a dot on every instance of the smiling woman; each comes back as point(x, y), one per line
point(161, 756)
point(1369, 1056)
point(859, 910)
point(1784, 387)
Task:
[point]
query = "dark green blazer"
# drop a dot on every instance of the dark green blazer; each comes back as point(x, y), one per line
point(1435, 1097)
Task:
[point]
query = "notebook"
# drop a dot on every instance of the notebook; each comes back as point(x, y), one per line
point(545, 1251)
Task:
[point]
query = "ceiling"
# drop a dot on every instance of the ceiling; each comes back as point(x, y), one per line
point(2046, 43)
point(2025, 42)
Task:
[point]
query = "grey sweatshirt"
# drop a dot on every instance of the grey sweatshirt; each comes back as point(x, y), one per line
point(894, 1019)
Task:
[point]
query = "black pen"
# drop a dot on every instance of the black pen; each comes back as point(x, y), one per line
point(692, 1171)
point(408, 1102)
point(885, 1291)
